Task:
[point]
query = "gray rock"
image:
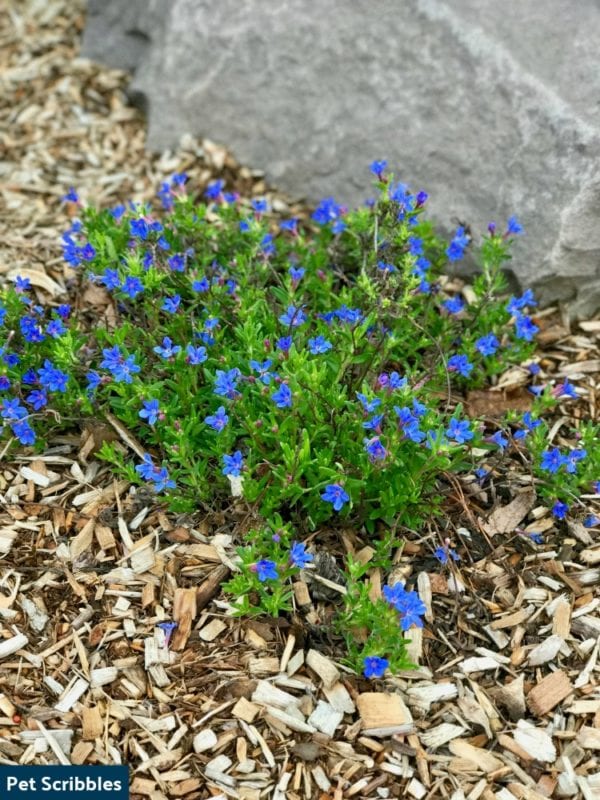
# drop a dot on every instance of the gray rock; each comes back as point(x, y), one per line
point(493, 108)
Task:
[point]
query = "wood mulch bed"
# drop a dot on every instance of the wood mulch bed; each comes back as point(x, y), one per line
point(505, 701)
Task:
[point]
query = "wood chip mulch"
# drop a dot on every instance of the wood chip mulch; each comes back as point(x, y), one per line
point(505, 702)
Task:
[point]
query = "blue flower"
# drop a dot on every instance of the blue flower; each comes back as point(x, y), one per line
point(150, 411)
point(52, 378)
point(233, 465)
point(24, 432)
point(157, 475)
point(266, 244)
point(282, 397)
point(139, 228)
point(319, 345)
point(374, 666)
point(565, 389)
point(383, 266)
point(513, 226)
point(195, 355)
point(552, 460)
point(391, 382)
point(22, 284)
point(408, 604)
point(201, 285)
point(31, 329)
point(487, 345)
point(225, 383)
point(415, 246)
point(459, 431)
point(4, 383)
point(525, 328)
point(368, 405)
point(375, 449)
point(37, 399)
point(260, 205)
point(516, 304)
point(335, 494)
point(454, 305)
point(71, 196)
point(296, 273)
point(167, 349)
point(263, 370)
point(559, 510)
point(499, 439)
point(176, 263)
point(458, 245)
point(460, 364)
point(290, 225)
point(265, 570)
point(443, 553)
point(298, 555)
point(171, 304)
point(55, 328)
point(378, 168)
point(110, 278)
point(327, 211)
point(214, 189)
point(284, 344)
point(218, 420)
point(167, 628)
point(132, 287)
point(121, 367)
point(589, 522)
point(373, 424)
point(293, 317)
point(573, 458)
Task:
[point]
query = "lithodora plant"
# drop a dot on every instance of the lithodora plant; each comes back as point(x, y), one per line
point(311, 369)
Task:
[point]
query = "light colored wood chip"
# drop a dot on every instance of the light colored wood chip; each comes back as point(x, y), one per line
point(549, 692)
point(477, 756)
point(383, 714)
point(324, 668)
point(535, 741)
point(545, 651)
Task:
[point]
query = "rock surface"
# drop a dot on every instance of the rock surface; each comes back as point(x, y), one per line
point(491, 107)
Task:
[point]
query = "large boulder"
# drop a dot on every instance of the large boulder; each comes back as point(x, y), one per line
point(491, 107)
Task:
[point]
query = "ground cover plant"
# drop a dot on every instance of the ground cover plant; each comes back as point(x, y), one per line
point(315, 373)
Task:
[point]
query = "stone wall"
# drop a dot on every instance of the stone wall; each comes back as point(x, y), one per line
point(492, 106)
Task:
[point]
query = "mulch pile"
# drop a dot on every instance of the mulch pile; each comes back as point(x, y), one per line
point(505, 701)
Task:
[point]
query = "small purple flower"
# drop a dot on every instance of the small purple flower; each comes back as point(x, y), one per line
point(374, 424)
point(52, 378)
point(368, 405)
point(374, 666)
point(591, 521)
point(24, 432)
point(565, 389)
point(296, 274)
point(572, 459)
point(384, 266)
point(458, 245)
point(110, 279)
point(499, 439)
point(284, 344)
point(214, 189)
point(335, 494)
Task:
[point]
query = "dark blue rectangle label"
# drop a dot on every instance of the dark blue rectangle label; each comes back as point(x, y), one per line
point(59, 783)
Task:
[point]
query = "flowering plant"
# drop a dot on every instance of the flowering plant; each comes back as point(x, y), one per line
point(313, 370)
